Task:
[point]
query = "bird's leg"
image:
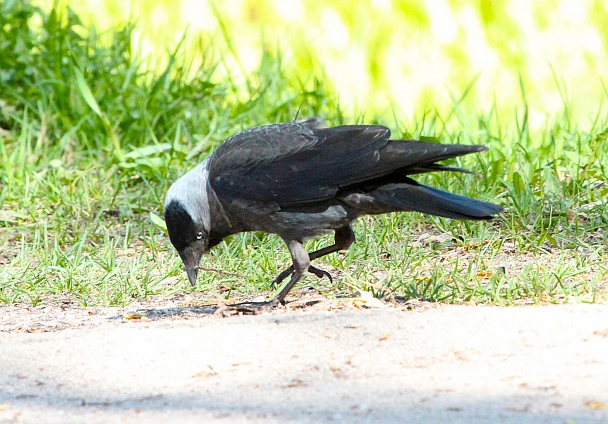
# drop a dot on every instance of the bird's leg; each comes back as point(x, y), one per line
point(343, 238)
point(301, 262)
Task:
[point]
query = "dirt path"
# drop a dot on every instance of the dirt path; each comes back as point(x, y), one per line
point(432, 364)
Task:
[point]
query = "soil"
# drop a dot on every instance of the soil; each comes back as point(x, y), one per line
point(316, 360)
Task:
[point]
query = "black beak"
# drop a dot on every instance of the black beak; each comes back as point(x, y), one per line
point(191, 259)
point(192, 274)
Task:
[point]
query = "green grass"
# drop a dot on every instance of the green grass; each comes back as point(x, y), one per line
point(91, 141)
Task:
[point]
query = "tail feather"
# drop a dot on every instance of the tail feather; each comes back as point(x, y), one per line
point(419, 198)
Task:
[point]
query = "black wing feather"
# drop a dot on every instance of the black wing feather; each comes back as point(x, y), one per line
point(291, 164)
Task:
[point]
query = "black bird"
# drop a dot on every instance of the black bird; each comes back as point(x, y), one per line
point(298, 180)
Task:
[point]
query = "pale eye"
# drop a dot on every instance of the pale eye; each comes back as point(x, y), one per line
point(199, 236)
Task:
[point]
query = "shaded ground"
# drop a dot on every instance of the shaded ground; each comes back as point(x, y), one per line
point(329, 363)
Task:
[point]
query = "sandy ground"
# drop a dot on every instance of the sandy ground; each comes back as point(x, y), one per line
point(432, 364)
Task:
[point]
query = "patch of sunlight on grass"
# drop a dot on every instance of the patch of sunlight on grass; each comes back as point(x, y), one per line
point(381, 55)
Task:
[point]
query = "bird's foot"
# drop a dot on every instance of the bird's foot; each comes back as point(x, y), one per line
point(287, 272)
point(283, 275)
point(320, 273)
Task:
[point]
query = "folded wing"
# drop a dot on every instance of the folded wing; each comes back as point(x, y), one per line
point(291, 164)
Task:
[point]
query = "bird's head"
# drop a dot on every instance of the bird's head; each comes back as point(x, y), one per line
point(188, 218)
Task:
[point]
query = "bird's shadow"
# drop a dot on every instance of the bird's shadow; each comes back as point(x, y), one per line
point(309, 303)
point(191, 309)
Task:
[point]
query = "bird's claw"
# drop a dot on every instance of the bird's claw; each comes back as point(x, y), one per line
point(320, 273)
point(283, 275)
point(287, 272)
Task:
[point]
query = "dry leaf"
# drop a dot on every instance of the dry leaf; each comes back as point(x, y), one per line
point(366, 299)
point(209, 372)
point(135, 315)
point(354, 326)
point(602, 333)
point(386, 336)
point(223, 288)
point(415, 364)
point(358, 303)
point(296, 382)
point(595, 405)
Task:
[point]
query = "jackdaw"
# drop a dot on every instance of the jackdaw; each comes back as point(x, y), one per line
point(299, 180)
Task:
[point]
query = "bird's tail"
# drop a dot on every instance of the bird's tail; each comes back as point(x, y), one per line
point(411, 196)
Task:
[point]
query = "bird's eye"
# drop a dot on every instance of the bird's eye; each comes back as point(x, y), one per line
point(199, 236)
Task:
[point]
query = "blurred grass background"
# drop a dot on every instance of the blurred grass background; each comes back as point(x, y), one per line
point(380, 55)
point(104, 104)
